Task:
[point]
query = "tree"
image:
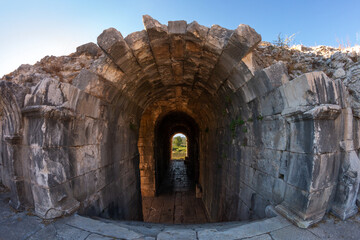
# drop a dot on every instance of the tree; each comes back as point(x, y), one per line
point(178, 141)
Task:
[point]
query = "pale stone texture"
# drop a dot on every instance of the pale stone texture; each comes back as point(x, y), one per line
point(91, 134)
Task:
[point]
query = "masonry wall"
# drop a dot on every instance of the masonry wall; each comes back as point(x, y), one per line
point(82, 154)
point(87, 142)
point(270, 153)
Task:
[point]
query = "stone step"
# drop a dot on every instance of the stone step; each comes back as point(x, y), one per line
point(224, 230)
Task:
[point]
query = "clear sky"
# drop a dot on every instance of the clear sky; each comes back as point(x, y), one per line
point(32, 29)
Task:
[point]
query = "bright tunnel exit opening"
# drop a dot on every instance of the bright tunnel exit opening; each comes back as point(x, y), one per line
point(179, 147)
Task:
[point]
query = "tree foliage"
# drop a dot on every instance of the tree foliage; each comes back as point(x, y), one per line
point(178, 141)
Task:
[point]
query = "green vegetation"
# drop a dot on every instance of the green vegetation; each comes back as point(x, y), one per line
point(179, 148)
point(240, 122)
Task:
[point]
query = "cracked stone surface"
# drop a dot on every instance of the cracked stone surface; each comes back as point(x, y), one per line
point(27, 226)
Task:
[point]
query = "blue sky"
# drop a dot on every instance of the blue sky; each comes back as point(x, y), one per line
point(32, 29)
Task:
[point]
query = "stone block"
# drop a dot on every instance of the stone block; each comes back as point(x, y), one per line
point(325, 171)
point(300, 170)
point(108, 70)
point(263, 183)
point(260, 203)
point(197, 31)
point(246, 38)
point(268, 161)
point(177, 27)
point(326, 137)
point(274, 134)
point(94, 85)
point(177, 234)
point(302, 136)
point(307, 206)
point(278, 191)
point(35, 135)
point(294, 232)
point(241, 41)
point(105, 229)
point(113, 44)
point(89, 48)
point(54, 202)
point(309, 89)
point(216, 39)
point(88, 105)
point(245, 231)
point(160, 45)
point(277, 74)
point(239, 76)
point(85, 158)
point(140, 45)
point(271, 103)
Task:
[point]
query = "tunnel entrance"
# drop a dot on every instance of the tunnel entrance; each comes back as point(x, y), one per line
point(176, 152)
point(179, 147)
point(166, 166)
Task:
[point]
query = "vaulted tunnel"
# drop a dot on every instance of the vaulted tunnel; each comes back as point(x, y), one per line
point(101, 143)
point(172, 123)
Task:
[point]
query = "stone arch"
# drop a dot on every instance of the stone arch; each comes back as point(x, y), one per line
point(261, 134)
point(11, 133)
point(206, 68)
point(165, 128)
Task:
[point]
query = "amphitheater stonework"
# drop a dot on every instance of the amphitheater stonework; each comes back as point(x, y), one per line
point(267, 125)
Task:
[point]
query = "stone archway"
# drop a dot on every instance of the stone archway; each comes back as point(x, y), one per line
point(263, 137)
point(10, 144)
point(165, 128)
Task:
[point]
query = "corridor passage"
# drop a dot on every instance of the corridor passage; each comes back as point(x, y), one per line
point(176, 202)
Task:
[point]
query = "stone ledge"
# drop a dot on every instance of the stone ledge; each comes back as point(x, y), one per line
point(292, 217)
point(48, 112)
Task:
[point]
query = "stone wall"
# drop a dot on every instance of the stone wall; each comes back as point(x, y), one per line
point(81, 132)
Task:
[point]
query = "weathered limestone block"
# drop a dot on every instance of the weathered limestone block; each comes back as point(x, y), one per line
point(52, 195)
point(240, 43)
point(274, 134)
point(140, 45)
point(308, 90)
point(313, 165)
point(312, 172)
point(216, 39)
point(239, 76)
point(177, 27)
point(271, 103)
point(344, 205)
point(94, 85)
point(277, 74)
point(89, 48)
point(107, 69)
point(177, 31)
point(307, 208)
point(113, 44)
point(160, 45)
point(54, 202)
point(268, 161)
point(65, 100)
point(265, 81)
point(194, 42)
point(47, 93)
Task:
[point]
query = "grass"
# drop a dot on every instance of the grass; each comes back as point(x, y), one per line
point(178, 155)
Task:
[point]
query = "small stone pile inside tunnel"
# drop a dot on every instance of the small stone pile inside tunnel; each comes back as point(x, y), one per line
point(99, 141)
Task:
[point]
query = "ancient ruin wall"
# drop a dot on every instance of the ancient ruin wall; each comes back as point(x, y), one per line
point(79, 132)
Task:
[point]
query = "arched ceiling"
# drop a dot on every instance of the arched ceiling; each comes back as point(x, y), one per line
point(180, 60)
